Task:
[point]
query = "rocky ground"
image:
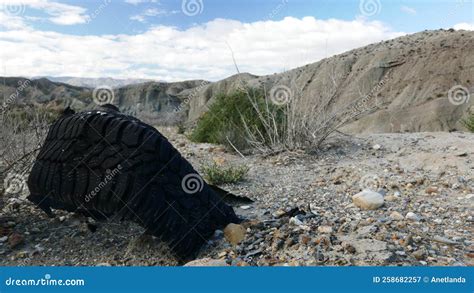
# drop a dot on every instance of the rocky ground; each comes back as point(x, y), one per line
point(415, 209)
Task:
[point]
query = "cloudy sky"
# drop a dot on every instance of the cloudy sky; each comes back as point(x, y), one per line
point(194, 39)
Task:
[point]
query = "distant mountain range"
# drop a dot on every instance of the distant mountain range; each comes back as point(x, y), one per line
point(94, 82)
point(421, 82)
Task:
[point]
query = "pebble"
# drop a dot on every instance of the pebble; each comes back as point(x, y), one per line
point(207, 262)
point(419, 254)
point(15, 240)
point(376, 147)
point(412, 217)
point(396, 216)
point(325, 229)
point(444, 240)
point(234, 233)
point(3, 239)
point(368, 200)
point(245, 207)
point(431, 190)
point(279, 213)
point(295, 221)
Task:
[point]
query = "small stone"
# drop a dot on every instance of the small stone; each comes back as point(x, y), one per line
point(376, 147)
point(207, 262)
point(305, 239)
point(368, 200)
point(103, 264)
point(390, 198)
point(444, 240)
point(295, 221)
point(438, 221)
point(396, 216)
point(218, 234)
point(279, 213)
point(15, 240)
point(62, 218)
point(419, 254)
point(349, 247)
point(3, 239)
point(431, 190)
point(234, 233)
point(245, 207)
point(412, 217)
point(325, 229)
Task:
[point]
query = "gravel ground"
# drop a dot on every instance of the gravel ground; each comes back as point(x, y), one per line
point(303, 212)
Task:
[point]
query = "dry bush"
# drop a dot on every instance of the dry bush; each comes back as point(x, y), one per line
point(22, 131)
point(308, 122)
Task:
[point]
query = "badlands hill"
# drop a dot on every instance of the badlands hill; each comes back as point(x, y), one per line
point(410, 77)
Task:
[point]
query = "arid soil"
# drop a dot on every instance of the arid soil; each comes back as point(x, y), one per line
point(302, 214)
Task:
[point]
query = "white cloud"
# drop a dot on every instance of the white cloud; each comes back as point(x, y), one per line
point(151, 12)
point(136, 2)
point(58, 13)
point(199, 52)
point(408, 10)
point(464, 26)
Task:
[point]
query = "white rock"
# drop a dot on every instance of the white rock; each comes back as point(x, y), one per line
point(412, 217)
point(245, 207)
point(376, 147)
point(3, 239)
point(295, 221)
point(207, 262)
point(368, 200)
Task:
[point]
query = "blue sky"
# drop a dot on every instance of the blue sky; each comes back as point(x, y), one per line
point(410, 16)
point(165, 39)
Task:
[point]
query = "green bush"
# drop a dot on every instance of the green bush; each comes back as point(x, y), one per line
point(469, 123)
point(237, 117)
point(218, 174)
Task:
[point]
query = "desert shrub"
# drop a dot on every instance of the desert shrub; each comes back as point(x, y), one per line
point(240, 119)
point(22, 131)
point(469, 123)
point(219, 174)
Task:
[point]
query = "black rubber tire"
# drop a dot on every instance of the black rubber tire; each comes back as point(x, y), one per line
point(144, 183)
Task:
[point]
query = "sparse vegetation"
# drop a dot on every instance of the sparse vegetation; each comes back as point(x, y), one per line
point(238, 118)
point(23, 129)
point(219, 174)
point(469, 123)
